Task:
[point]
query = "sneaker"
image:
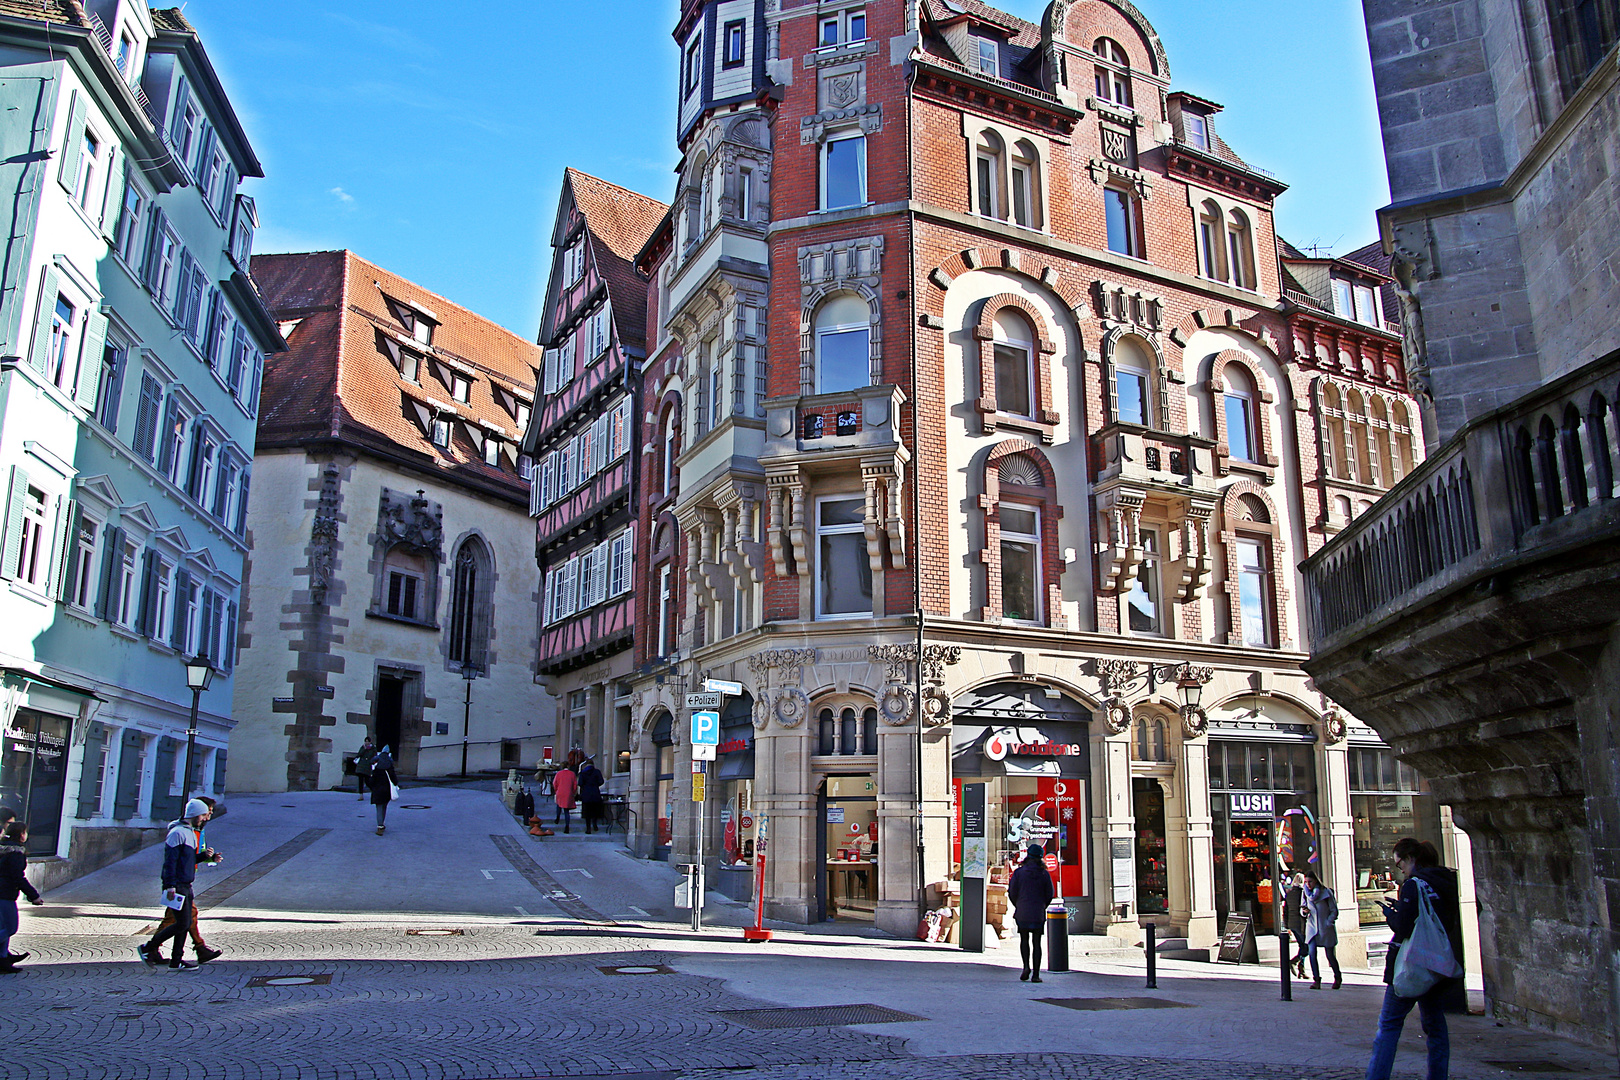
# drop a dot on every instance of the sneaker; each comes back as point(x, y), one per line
point(15, 957)
point(205, 954)
point(145, 953)
point(379, 830)
point(184, 965)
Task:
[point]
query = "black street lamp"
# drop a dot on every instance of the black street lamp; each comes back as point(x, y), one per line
point(469, 672)
point(199, 673)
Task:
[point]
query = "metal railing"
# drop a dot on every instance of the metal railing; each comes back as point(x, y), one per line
point(1530, 479)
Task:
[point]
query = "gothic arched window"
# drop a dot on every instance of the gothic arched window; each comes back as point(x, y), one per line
point(470, 606)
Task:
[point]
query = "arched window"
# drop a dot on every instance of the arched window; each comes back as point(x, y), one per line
point(1404, 456)
point(1239, 250)
point(1211, 253)
point(1359, 450)
point(1382, 452)
point(1024, 185)
point(1254, 551)
point(1238, 403)
point(1150, 745)
point(1133, 383)
point(989, 169)
point(670, 451)
point(846, 731)
point(1113, 72)
point(665, 609)
point(1022, 570)
point(1333, 443)
point(843, 331)
point(471, 598)
point(1014, 348)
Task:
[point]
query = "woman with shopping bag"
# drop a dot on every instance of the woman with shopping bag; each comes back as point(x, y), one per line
point(1424, 965)
point(384, 786)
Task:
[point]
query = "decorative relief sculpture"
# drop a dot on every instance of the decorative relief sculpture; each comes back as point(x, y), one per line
point(895, 704)
point(323, 534)
point(1334, 728)
point(792, 706)
point(416, 523)
point(894, 658)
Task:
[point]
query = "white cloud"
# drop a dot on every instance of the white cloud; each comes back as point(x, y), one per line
point(343, 196)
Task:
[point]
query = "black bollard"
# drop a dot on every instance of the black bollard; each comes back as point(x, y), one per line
point(1282, 951)
point(1057, 937)
point(1152, 956)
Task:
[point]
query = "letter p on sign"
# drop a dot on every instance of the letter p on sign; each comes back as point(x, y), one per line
point(705, 728)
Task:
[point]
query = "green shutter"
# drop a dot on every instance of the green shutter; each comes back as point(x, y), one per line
point(66, 522)
point(14, 522)
point(182, 609)
point(112, 542)
point(73, 147)
point(143, 621)
point(113, 204)
point(164, 807)
point(127, 792)
point(219, 772)
point(90, 358)
point(88, 800)
point(48, 289)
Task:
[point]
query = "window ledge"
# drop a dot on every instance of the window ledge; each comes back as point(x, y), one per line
point(84, 615)
point(123, 631)
point(1043, 426)
point(29, 592)
point(418, 623)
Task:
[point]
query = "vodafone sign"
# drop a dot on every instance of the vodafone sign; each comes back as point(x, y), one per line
point(1002, 743)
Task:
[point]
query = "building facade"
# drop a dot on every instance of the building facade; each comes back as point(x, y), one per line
point(1469, 615)
point(132, 339)
point(583, 440)
point(986, 427)
point(391, 591)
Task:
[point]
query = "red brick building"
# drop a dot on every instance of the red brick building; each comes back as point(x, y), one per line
point(989, 424)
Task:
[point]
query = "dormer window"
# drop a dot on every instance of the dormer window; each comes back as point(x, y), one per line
point(1113, 73)
point(1355, 300)
point(986, 58)
point(124, 52)
point(735, 43)
point(460, 387)
point(1196, 129)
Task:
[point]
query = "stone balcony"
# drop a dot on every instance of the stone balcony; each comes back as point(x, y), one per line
point(1470, 617)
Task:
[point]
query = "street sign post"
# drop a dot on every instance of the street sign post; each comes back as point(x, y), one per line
point(702, 701)
point(705, 740)
point(705, 752)
point(705, 728)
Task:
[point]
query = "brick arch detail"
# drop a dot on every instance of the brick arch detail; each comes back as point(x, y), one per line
point(1069, 288)
point(1160, 375)
point(1262, 413)
point(1045, 497)
point(1229, 524)
point(807, 331)
point(1252, 325)
point(1045, 417)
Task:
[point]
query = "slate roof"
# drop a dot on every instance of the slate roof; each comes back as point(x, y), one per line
point(620, 222)
point(173, 20)
point(57, 11)
point(336, 380)
point(1024, 34)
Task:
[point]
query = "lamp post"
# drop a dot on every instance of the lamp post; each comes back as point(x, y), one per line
point(199, 673)
point(468, 674)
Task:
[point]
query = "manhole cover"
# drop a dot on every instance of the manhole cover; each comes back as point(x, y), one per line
point(323, 979)
point(414, 806)
point(1529, 1066)
point(1104, 1004)
point(639, 969)
point(816, 1016)
point(435, 933)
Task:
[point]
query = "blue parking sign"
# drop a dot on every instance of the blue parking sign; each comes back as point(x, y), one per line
point(705, 729)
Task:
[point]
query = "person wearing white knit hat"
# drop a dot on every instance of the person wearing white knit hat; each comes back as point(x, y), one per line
point(179, 872)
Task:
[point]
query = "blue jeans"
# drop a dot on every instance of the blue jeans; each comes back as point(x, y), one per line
point(1332, 958)
point(8, 925)
point(1390, 1021)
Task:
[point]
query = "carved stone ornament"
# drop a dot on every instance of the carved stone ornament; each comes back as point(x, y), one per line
point(935, 659)
point(1334, 729)
point(1116, 144)
point(788, 661)
point(894, 659)
point(895, 703)
point(842, 90)
point(416, 523)
point(1194, 723)
point(635, 738)
point(1118, 715)
point(936, 706)
point(762, 713)
point(792, 707)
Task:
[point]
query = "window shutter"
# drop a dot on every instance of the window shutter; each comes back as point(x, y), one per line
point(182, 610)
point(599, 443)
point(258, 377)
point(112, 550)
point(14, 522)
point(112, 203)
point(227, 647)
point(162, 806)
point(73, 146)
point(89, 803)
point(219, 770)
point(147, 616)
point(146, 416)
point(242, 504)
point(67, 527)
point(127, 791)
point(115, 391)
point(544, 497)
point(48, 287)
point(152, 261)
point(90, 358)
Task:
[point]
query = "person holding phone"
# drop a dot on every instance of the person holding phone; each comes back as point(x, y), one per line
point(1418, 861)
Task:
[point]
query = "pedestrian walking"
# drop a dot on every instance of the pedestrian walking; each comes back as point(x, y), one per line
point(1030, 890)
point(1294, 919)
point(206, 856)
point(363, 761)
point(1321, 929)
point(383, 786)
point(13, 880)
point(565, 790)
point(1420, 862)
point(179, 873)
point(590, 794)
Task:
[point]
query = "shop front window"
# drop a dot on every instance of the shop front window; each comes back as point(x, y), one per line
point(1388, 800)
point(1263, 802)
point(850, 847)
point(33, 759)
point(663, 742)
point(1152, 869)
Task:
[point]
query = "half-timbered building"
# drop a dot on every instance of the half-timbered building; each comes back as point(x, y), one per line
point(583, 439)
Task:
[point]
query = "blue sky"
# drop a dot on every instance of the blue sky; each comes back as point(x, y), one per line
point(431, 137)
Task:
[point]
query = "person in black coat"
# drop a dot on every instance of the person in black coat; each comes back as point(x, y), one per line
point(13, 880)
point(1294, 919)
point(382, 780)
point(1030, 890)
point(590, 793)
point(1419, 860)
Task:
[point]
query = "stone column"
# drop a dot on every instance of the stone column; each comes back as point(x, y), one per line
point(1336, 833)
point(784, 790)
point(899, 903)
point(1202, 930)
point(1177, 867)
point(1112, 818)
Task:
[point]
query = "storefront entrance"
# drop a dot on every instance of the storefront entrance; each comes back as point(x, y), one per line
point(1152, 870)
point(847, 848)
point(33, 771)
point(1263, 802)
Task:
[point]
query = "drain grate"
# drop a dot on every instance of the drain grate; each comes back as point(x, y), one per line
point(1529, 1066)
point(816, 1016)
point(1107, 1004)
point(638, 969)
point(435, 932)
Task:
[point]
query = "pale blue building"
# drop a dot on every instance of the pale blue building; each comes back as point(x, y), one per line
point(131, 346)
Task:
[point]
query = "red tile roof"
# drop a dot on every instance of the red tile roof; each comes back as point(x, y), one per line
point(57, 11)
point(337, 379)
point(620, 222)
